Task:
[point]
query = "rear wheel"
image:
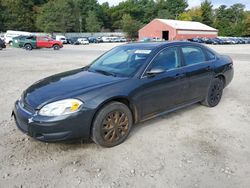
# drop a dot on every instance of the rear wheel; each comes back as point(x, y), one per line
point(214, 93)
point(28, 47)
point(56, 47)
point(112, 125)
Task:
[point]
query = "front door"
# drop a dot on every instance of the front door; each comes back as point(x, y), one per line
point(43, 42)
point(166, 90)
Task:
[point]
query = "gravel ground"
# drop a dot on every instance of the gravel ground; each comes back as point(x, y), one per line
point(192, 147)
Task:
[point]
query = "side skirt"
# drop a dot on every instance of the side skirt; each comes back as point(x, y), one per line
point(171, 110)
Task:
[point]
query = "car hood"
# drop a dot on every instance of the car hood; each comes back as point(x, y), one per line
point(64, 85)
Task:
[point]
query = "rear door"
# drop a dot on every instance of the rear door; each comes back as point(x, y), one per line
point(199, 71)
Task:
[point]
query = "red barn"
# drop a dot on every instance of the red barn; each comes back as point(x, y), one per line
point(176, 30)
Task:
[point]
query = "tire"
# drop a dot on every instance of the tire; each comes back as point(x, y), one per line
point(1, 47)
point(106, 129)
point(28, 47)
point(56, 47)
point(10, 43)
point(214, 93)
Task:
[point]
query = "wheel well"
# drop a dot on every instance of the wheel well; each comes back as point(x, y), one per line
point(28, 44)
point(222, 77)
point(121, 100)
point(124, 101)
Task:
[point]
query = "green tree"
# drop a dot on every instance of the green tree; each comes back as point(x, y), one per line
point(2, 13)
point(57, 16)
point(164, 14)
point(130, 26)
point(247, 22)
point(82, 9)
point(193, 14)
point(207, 12)
point(231, 21)
point(170, 9)
point(18, 15)
point(185, 16)
point(92, 23)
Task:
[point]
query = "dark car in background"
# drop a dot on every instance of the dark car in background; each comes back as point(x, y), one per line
point(93, 40)
point(127, 85)
point(198, 40)
point(73, 41)
point(2, 44)
point(222, 40)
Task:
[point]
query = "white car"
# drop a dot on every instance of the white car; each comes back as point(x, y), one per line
point(83, 41)
point(9, 35)
point(61, 38)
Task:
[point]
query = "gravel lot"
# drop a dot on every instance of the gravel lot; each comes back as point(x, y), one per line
point(192, 147)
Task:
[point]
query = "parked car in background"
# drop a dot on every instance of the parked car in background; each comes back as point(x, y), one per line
point(146, 39)
point(9, 35)
point(99, 39)
point(2, 37)
point(123, 39)
point(83, 41)
point(93, 40)
point(127, 85)
point(106, 39)
point(32, 42)
point(2, 44)
point(198, 40)
point(211, 41)
point(62, 39)
point(73, 41)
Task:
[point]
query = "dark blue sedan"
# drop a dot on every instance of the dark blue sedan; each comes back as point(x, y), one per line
point(128, 84)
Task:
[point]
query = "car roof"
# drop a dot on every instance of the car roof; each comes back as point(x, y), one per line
point(155, 45)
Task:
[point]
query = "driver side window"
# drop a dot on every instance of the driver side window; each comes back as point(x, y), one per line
point(167, 59)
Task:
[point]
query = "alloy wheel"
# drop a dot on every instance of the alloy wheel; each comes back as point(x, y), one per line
point(115, 126)
point(216, 93)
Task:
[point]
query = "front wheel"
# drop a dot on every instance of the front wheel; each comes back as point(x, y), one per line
point(214, 93)
point(112, 125)
point(56, 47)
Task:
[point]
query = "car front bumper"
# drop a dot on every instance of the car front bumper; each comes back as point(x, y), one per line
point(52, 129)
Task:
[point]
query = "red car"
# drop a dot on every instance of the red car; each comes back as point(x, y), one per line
point(32, 42)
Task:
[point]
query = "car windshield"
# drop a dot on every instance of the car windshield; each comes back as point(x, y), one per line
point(121, 61)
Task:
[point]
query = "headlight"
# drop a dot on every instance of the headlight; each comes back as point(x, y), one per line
point(63, 107)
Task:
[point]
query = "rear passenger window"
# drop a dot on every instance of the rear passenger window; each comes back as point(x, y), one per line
point(193, 55)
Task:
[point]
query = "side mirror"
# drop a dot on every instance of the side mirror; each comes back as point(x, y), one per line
point(155, 71)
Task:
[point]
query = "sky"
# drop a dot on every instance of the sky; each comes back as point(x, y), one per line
point(193, 3)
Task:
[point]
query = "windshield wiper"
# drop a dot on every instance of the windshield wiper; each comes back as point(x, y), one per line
point(105, 72)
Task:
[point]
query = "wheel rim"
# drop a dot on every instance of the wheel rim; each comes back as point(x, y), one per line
point(115, 126)
point(216, 93)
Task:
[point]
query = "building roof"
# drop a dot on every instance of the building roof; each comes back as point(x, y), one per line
point(187, 25)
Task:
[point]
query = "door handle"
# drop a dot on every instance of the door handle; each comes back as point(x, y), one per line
point(179, 75)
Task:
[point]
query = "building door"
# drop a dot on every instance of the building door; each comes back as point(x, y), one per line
point(165, 35)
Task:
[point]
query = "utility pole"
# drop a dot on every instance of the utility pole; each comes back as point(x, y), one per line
point(80, 21)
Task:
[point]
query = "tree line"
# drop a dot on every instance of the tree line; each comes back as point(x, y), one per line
point(128, 16)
